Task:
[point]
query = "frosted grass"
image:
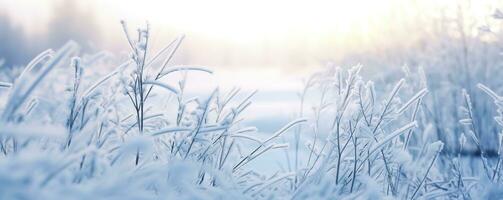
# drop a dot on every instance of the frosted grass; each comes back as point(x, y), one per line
point(132, 134)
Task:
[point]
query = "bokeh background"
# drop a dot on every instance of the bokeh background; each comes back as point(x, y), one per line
point(287, 35)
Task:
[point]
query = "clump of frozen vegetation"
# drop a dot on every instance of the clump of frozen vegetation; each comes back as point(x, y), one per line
point(70, 131)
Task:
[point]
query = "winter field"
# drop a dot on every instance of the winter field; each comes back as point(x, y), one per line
point(76, 125)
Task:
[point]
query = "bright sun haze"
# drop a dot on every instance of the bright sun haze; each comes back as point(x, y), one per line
point(250, 20)
point(287, 38)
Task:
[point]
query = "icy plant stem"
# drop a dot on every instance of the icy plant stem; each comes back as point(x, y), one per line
point(425, 175)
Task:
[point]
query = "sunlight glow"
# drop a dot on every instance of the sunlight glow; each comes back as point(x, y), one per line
point(247, 21)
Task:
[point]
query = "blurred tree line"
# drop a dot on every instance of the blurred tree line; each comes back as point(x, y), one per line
point(67, 22)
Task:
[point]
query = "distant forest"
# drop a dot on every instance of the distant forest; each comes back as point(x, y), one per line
point(17, 47)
